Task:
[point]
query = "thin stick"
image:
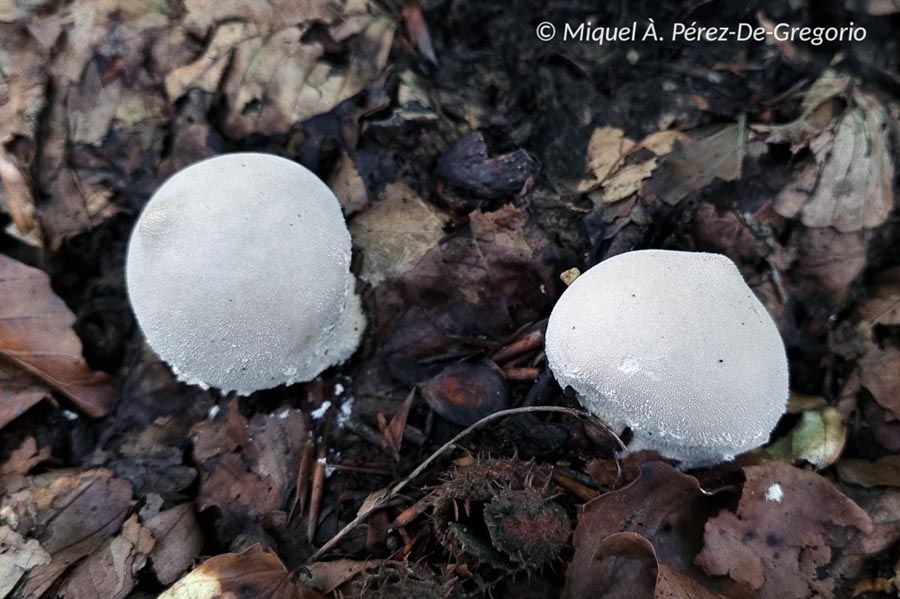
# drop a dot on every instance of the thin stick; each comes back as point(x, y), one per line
point(379, 502)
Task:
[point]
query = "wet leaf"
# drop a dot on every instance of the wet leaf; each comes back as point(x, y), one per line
point(789, 526)
point(395, 233)
point(254, 572)
point(466, 393)
point(36, 337)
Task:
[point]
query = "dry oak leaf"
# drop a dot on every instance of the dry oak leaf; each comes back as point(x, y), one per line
point(849, 185)
point(272, 75)
point(248, 469)
point(615, 166)
point(111, 571)
point(255, 572)
point(274, 14)
point(71, 513)
point(788, 531)
point(17, 557)
point(817, 113)
point(395, 233)
point(36, 337)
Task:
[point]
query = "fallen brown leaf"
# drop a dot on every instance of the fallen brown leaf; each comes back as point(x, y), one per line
point(848, 185)
point(111, 571)
point(627, 567)
point(695, 165)
point(882, 305)
point(18, 556)
point(327, 576)
point(254, 572)
point(789, 526)
point(248, 468)
point(25, 457)
point(485, 281)
point(880, 375)
point(883, 472)
point(275, 75)
point(36, 337)
point(19, 391)
point(71, 513)
point(178, 541)
point(395, 233)
point(667, 509)
point(825, 264)
point(349, 187)
point(617, 167)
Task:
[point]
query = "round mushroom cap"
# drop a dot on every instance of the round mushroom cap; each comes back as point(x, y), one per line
point(675, 346)
point(238, 273)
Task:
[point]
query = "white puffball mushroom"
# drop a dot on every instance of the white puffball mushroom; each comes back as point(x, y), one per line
point(238, 271)
point(676, 347)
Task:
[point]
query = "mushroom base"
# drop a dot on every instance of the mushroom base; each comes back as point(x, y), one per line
point(667, 445)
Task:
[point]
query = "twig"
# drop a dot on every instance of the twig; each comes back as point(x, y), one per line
point(378, 502)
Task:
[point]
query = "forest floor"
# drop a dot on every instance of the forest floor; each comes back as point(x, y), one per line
point(475, 164)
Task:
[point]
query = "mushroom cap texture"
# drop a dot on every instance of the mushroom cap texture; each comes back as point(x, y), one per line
point(677, 347)
point(238, 273)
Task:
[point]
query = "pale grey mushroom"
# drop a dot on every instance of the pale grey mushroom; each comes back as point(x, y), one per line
point(238, 273)
point(676, 347)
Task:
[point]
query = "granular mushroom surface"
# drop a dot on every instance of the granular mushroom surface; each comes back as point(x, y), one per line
point(675, 346)
point(238, 272)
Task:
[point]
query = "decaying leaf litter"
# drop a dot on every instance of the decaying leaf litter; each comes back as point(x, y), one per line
point(475, 165)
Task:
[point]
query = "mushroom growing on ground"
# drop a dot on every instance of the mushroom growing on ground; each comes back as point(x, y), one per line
point(674, 346)
point(238, 273)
